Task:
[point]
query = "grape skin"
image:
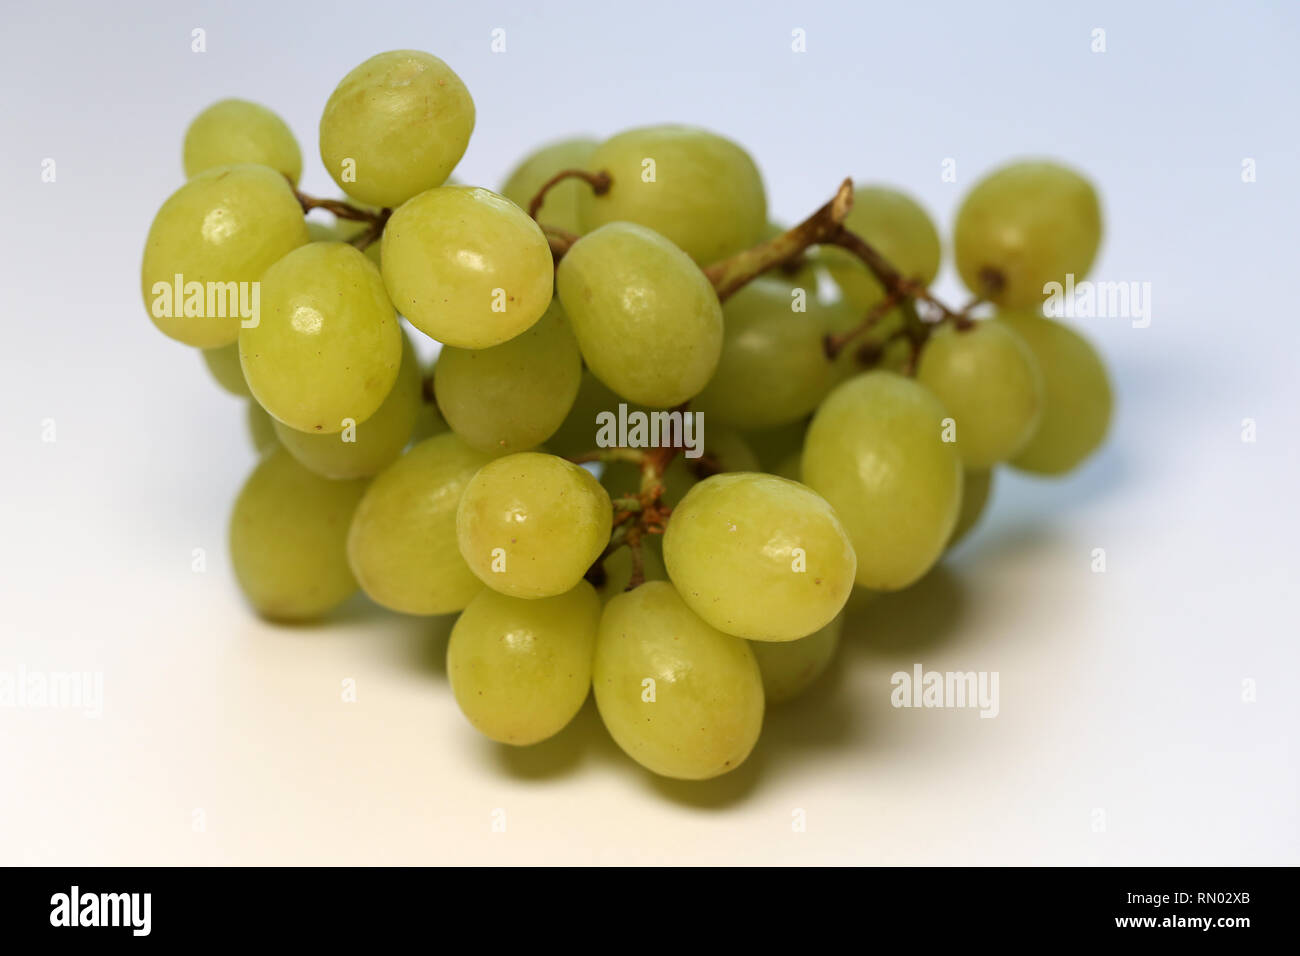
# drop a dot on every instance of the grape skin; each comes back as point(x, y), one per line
point(223, 363)
point(261, 428)
point(976, 488)
point(560, 208)
point(791, 667)
point(900, 229)
point(237, 131)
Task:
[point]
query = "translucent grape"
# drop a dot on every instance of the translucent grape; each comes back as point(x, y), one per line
point(467, 267)
point(288, 535)
point(223, 363)
point(561, 206)
point(512, 396)
point(759, 556)
point(530, 525)
point(790, 667)
point(237, 131)
point(261, 428)
point(402, 545)
point(328, 346)
point(1026, 224)
point(875, 451)
point(900, 229)
point(680, 697)
point(521, 669)
point(395, 126)
point(224, 227)
point(647, 320)
point(700, 191)
point(975, 489)
point(991, 384)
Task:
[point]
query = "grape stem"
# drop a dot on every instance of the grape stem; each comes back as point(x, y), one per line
point(345, 210)
point(599, 183)
point(833, 344)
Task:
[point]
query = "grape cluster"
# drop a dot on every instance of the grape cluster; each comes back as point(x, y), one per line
point(851, 422)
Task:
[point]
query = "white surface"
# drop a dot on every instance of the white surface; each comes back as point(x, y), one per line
point(1119, 691)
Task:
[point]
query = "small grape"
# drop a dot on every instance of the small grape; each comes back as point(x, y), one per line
point(237, 131)
point(261, 428)
point(223, 363)
point(975, 488)
point(560, 209)
point(790, 667)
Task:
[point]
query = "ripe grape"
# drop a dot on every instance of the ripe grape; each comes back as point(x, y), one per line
point(774, 445)
point(647, 320)
point(328, 346)
point(577, 433)
point(790, 667)
point(530, 525)
point(900, 229)
point(975, 488)
point(875, 451)
point(223, 363)
point(521, 669)
point(759, 556)
point(288, 535)
point(467, 267)
point(560, 208)
point(678, 696)
point(226, 225)
point(395, 126)
point(261, 428)
point(237, 131)
point(791, 467)
point(617, 567)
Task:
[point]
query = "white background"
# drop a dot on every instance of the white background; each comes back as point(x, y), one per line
point(1120, 692)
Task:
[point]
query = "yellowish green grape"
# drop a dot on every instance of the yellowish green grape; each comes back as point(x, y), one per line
point(774, 445)
point(900, 229)
point(343, 230)
point(288, 535)
point(237, 131)
point(791, 467)
point(428, 421)
point(700, 191)
point(647, 319)
point(680, 697)
point(467, 267)
point(875, 451)
point(790, 667)
point(218, 233)
point(560, 209)
point(577, 433)
point(1023, 226)
point(370, 446)
point(521, 669)
point(618, 567)
point(402, 545)
point(759, 556)
point(1076, 414)
point(991, 384)
point(326, 352)
point(261, 428)
point(530, 525)
point(512, 396)
point(223, 363)
point(395, 126)
point(975, 489)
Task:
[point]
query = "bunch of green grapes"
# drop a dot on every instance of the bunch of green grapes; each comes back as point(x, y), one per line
point(623, 483)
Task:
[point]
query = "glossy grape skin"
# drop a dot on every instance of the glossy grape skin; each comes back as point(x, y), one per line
point(618, 567)
point(900, 229)
point(1031, 223)
point(328, 346)
point(560, 208)
point(376, 442)
point(237, 131)
point(261, 428)
point(991, 384)
point(402, 544)
point(707, 710)
point(288, 534)
point(225, 225)
point(791, 667)
point(646, 318)
point(452, 254)
point(512, 396)
point(707, 196)
point(773, 368)
point(404, 118)
point(875, 451)
point(976, 487)
point(223, 363)
point(1077, 409)
point(759, 557)
point(530, 525)
point(521, 669)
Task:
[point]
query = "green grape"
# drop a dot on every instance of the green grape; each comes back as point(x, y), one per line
point(773, 369)
point(1076, 412)
point(560, 208)
point(223, 363)
point(395, 126)
point(402, 545)
point(791, 467)
point(577, 433)
point(617, 567)
point(288, 536)
point(680, 697)
point(773, 445)
point(530, 525)
point(512, 396)
point(875, 451)
point(261, 428)
point(372, 445)
point(646, 318)
point(219, 233)
point(1027, 224)
point(860, 599)
point(428, 421)
point(521, 669)
point(899, 228)
point(975, 488)
point(989, 381)
point(237, 131)
point(724, 449)
point(467, 267)
point(343, 230)
point(328, 347)
point(790, 667)
point(759, 556)
point(700, 191)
